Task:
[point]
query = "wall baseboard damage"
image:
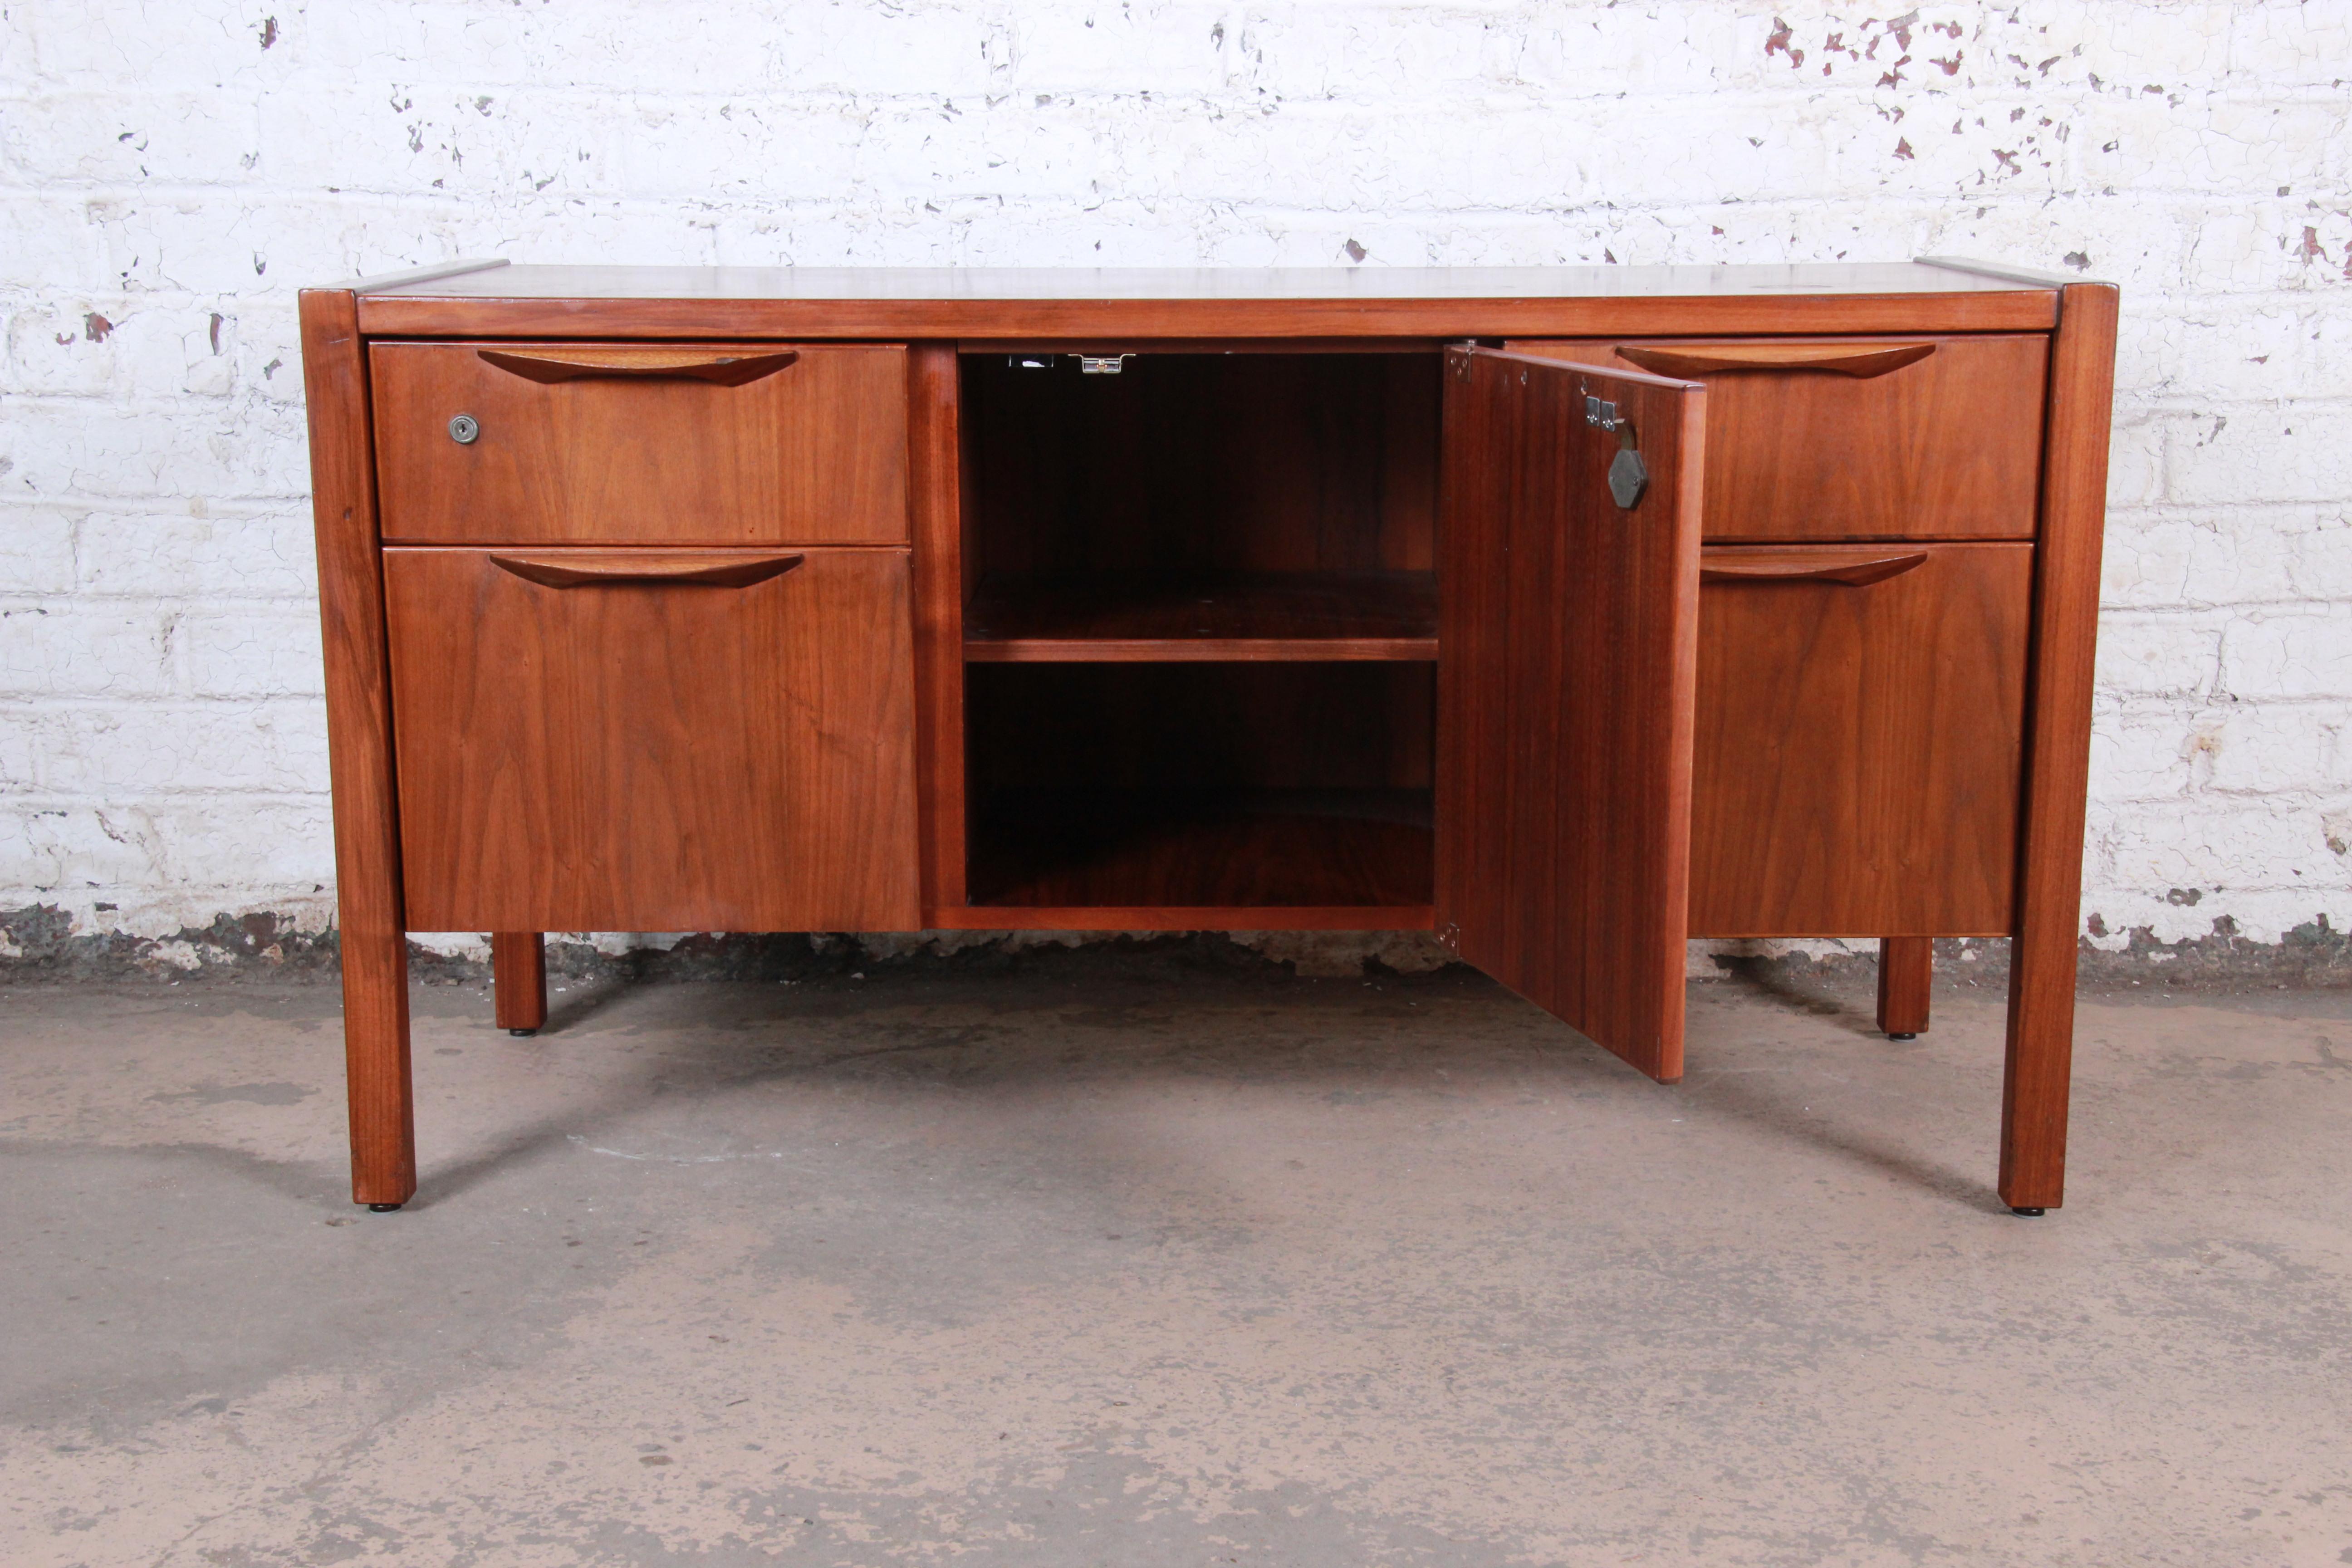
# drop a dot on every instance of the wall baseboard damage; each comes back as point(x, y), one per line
point(40, 944)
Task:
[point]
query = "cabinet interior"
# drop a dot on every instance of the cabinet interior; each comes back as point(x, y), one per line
point(1201, 628)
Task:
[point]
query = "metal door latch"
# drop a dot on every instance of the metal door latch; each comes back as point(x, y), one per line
point(1628, 475)
point(464, 429)
point(1102, 364)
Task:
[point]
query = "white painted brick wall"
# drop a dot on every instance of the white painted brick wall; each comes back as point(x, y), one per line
point(169, 173)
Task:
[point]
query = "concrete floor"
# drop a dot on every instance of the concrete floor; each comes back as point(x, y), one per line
point(1112, 1262)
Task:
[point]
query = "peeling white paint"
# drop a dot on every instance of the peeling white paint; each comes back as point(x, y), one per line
point(172, 175)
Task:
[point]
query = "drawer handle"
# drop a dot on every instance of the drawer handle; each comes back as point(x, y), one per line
point(611, 569)
point(1861, 360)
point(551, 365)
point(1841, 567)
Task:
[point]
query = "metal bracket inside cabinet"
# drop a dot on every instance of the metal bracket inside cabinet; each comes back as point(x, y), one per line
point(1088, 364)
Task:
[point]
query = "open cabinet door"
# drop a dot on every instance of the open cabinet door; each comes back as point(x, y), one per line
point(1568, 650)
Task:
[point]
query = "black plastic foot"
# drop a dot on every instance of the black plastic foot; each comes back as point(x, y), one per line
point(2027, 1214)
point(1895, 1036)
point(383, 1208)
point(522, 1033)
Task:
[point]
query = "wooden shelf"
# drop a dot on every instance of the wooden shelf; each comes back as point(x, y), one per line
point(1236, 618)
point(1198, 849)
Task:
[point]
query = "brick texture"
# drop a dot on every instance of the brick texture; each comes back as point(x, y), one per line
point(168, 175)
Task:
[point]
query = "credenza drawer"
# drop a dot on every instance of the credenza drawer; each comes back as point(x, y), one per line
point(1859, 738)
point(653, 740)
point(515, 443)
point(1913, 437)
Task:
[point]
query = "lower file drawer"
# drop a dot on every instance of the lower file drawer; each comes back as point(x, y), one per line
point(1860, 739)
point(655, 739)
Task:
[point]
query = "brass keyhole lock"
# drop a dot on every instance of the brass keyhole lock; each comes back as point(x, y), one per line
point(464, 429)
point(1628, 475)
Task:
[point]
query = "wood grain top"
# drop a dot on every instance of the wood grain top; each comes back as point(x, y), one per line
point(1243, 301)
point(1033, 283)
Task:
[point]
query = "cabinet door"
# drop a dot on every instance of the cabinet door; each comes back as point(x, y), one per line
point(605, 740)
point(1861, 732)
point(1567, 647)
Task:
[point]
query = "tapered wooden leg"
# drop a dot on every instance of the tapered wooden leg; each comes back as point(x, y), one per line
point(371, 924)
point(2049, 915)
point(2034, 1086)
point(375, 1059)
point(519, 978)
point(1905, 965)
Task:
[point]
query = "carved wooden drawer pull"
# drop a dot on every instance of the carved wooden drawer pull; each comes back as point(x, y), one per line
point(721, 367)
point(618, 568)
point(1843, 567)
point(1858, 359)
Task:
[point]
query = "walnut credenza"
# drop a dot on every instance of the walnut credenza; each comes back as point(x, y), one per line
point(1567, 612)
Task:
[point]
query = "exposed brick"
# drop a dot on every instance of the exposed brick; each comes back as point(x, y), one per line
point(110, 138)
point(2159, 653)
point(100, 752)
point(36, 549)
point(163, 170)
point(2289, 653)
point(192, 550)
point(61, 648)
point(263, 650)
point(2262, 452)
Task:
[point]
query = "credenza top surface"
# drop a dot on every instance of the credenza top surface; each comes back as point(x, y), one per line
point(1354, 284)
point(495, 300)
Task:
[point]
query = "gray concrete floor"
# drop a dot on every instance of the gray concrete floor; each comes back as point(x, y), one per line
point(1109, 1262)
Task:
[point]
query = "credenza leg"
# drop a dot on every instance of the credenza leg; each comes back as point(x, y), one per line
point(371, 919)
point(519, 979)
point(2040, 1066)
point(376, 1055)
point(2048, 919)
point(1905, 966)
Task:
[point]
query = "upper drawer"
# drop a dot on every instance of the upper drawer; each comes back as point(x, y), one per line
point(641, 443)
point(1921, 438)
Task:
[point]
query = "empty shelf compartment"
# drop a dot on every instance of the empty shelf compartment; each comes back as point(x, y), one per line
point(1232, 616)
